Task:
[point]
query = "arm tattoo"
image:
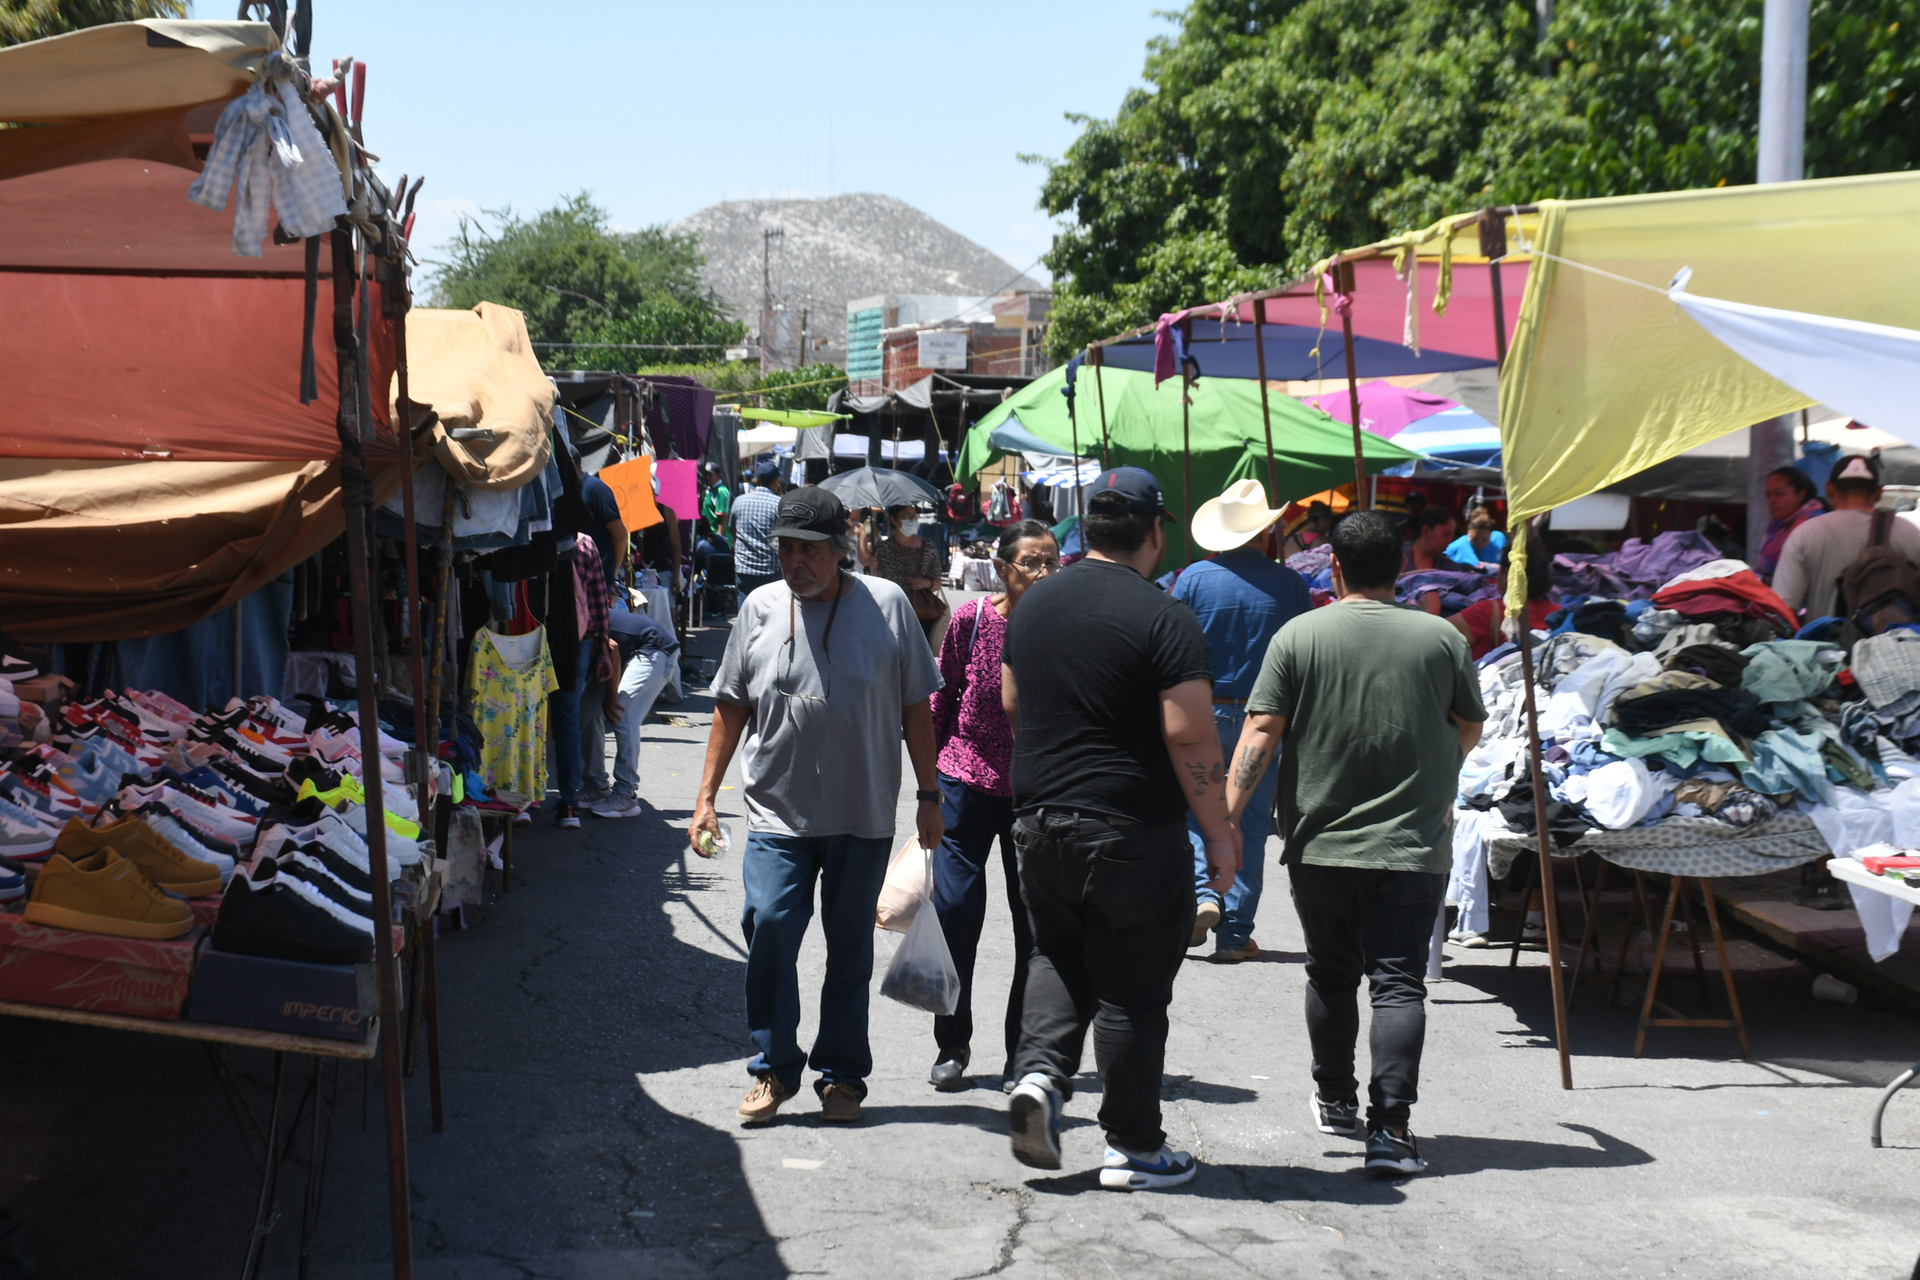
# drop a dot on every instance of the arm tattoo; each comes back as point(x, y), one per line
point(1198, 772)
point(1248, 768)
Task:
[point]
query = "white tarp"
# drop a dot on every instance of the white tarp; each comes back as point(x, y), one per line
point(1866, 371)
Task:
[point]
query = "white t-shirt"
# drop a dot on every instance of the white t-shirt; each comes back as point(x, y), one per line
point(1819, 551)
point(821, 752)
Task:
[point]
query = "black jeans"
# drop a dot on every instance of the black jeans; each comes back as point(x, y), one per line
point(960, 881)
point(1378, 923)
point(1112, 908)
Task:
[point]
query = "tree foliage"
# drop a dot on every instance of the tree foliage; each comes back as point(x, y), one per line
point(1273, 132)
point(578, 281)
point(24, 20)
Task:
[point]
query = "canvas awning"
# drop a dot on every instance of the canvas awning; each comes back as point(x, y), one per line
point(477, 372)
point(128, 67)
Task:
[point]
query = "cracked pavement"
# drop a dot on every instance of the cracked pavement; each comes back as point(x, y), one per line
point(594, 1051)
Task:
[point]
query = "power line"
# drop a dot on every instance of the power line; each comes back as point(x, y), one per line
point(644, 346)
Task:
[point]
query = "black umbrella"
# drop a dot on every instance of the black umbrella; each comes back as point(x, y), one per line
point(880, 487)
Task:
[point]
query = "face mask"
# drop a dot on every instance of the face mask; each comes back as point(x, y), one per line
point(910, 526)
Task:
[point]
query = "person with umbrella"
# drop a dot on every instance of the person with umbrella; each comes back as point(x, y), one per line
point(902, 556)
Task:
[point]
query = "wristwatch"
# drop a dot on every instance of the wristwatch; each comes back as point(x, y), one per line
point(927, 797)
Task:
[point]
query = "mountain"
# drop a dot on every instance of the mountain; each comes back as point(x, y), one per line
point(836, 249)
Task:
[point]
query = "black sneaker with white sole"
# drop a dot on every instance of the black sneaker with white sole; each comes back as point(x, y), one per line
point(1033, 1122)
point(1389, 1156)
point(1340, 1119)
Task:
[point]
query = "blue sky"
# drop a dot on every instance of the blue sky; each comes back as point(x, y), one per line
point(660, 110)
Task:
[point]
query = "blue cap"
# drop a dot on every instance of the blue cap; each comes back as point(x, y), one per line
point(1127, 491)
point(767, 472)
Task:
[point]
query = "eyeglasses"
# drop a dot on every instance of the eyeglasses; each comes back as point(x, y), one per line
point(1038, 564)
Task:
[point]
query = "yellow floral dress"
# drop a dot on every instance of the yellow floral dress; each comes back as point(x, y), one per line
point(508, 681)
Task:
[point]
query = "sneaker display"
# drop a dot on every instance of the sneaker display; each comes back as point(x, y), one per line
point(228, 824)
point(1127, 1171)
point(104, 893)
point(188, 841)
point(22, 839)
point(205, 782)
point(272, 918)
point(87, 777)
point(132, 839)
point(13, 881)
point(617, 807)
point(1391, 1156)
point(1340, 1119)
point(37, 791)
point(1033, 1122)
point(763, 1100)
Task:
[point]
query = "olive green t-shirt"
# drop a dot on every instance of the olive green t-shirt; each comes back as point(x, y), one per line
point(1371, 758)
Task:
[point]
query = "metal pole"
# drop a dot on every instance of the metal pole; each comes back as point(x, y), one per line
point(1266, 412)
point(1782, 158)
point(1100, 393)
point(1549, 890)
point(1073, 424)
point(1186, 457)
point(425, 742)
point(1343, 283)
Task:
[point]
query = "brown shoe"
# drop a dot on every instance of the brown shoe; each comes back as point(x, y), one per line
point(763, 1100)
point(104, 893)
point(161, 863)
point(838, 1105)
point(1235, 955)
point(1207, 916)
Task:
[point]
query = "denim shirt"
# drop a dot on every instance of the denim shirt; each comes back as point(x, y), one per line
point(1241, 598)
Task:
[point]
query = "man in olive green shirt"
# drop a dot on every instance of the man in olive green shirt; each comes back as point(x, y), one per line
point(1377, 704)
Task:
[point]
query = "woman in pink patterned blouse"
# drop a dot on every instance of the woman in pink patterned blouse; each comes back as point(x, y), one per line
point(976, 755)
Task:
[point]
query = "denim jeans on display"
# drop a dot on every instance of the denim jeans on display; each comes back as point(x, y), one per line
point(563, 713)
point(961, 880)
point(1359, 921)
point(640, 684)
point(1235, 929)
point(779, 874)
point(1112, 907)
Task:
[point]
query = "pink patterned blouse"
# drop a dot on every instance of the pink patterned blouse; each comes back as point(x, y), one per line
point(970, 729)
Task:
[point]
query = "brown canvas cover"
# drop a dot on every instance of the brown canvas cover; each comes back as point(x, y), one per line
point(476, 371)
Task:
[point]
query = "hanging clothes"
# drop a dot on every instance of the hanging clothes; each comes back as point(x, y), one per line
point(508, 680)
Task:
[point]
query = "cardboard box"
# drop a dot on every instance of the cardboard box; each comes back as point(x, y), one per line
point(67, 969)
point(329, 1000)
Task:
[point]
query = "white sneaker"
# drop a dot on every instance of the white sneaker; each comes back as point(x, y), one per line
point(617, 807)
point(1126, 1171)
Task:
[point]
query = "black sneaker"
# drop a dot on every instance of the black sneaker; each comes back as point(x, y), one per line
point(1341, 1119)
point(1391, 1157)
point(338, 867)
point(566, 816)
point(273, 920)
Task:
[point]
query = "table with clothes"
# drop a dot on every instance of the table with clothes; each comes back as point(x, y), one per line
point(1697, 730)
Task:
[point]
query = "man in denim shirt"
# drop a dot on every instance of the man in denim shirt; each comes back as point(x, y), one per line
point(1241, 598)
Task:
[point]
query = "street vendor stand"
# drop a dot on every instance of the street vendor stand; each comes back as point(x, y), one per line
point(167, 354)
point(1854, 873)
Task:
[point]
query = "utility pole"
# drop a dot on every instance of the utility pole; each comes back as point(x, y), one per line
point(805, 313)
point(1542, 18)
point(1782, 158)
point(767, 238)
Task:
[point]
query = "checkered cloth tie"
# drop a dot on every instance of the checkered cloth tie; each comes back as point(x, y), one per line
point(266, 151)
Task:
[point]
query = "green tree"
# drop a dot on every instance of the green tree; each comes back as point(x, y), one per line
point(578, 281)
point(1273, 132)
point(24, 20)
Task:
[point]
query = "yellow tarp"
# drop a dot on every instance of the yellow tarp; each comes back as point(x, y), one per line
point(127, 67)
point(1604, 379)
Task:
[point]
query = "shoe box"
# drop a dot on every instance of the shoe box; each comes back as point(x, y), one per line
point(67, 969)
point(333, 1001)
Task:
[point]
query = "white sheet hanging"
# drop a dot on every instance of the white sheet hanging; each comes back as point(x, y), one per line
point(1866, 371)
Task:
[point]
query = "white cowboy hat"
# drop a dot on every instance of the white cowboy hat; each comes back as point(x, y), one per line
point(1234, 518)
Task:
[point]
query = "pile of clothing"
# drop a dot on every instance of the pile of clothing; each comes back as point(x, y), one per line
point(1701, 707)
point(1635, 570)
point(137, 818)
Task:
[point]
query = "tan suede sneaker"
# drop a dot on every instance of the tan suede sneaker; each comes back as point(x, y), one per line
point(146, 849)
point(106, 894)
point(838, 1105)
point(763, 1100)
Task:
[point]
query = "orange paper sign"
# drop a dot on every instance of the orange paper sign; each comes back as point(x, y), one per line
point(632, 485)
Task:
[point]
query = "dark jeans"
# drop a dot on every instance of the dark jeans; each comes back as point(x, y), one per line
point(1378, 923)
point(779, 874)
point(1112, 908)
point(748, 583)
point(974, 821)
point(563, 715)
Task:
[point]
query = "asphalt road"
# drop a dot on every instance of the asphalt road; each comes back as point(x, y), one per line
point(594, 1051)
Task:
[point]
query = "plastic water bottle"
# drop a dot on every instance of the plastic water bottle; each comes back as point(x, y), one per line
point(714, 844)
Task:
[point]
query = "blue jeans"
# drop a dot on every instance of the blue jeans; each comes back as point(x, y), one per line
point(960, 884)
point(563, 711)
point(779, 873)
point(640, 684)
point(1243, 900)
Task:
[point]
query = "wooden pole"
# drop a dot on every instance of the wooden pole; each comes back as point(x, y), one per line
point(1266, 411)
point(1073, 424)
point(1100, 393)
point(424, 741)
point(1343, 283)
point(357, 499)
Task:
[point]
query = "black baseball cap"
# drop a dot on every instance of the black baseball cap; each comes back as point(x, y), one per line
point(767, 472)
point(1858, 466)
point(1127, 491)
point(811, 514)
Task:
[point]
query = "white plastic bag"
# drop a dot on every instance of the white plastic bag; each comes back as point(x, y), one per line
point(922, 973)
point(909, 882)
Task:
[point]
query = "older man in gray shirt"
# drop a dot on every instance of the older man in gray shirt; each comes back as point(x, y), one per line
point(822, 672)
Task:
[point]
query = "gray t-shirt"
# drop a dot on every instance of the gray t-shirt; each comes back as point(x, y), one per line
point(821, 752)
point(1819, 551)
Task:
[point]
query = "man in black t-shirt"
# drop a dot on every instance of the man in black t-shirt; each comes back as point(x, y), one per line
point(1109, 687)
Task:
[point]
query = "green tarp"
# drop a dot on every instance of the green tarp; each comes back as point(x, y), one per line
point(1311, 452)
